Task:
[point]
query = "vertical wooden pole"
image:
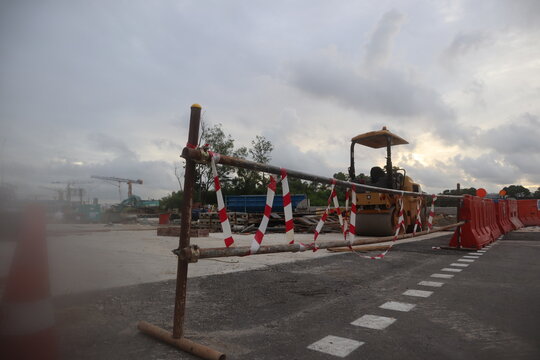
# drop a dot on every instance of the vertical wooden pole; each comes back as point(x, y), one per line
point(189, 182)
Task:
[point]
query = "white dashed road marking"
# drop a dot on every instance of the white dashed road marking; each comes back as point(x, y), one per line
point(418, 293)
point(374, 322)
point(476, 253)
point(471, 257)
point(452, 269)
point(431, 283)
point(480, 251)
point(335, 345)
point(466, 260)
point(397, 306)
point(458, 264)
point(442, 276)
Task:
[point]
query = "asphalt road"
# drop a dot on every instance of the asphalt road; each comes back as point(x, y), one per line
point(304, 310)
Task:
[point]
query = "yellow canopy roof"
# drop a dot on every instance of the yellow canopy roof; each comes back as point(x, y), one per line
point(377, 139)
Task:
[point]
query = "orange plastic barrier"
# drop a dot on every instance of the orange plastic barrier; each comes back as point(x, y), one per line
point(492, 217)
point(476, 232)
point(528, 212)
point(514, 219)
point(164, 219)
point(503, 216)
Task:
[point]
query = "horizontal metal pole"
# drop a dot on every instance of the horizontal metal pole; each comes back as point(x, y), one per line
point(194, 253)
point(201, 156)
point(202, 351)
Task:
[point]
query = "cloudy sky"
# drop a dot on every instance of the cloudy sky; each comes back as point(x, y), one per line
point(104, 87)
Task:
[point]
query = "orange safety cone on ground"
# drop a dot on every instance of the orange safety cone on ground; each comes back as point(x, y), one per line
point(26, 312)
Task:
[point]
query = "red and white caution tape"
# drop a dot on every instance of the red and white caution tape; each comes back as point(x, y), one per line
point(338, 210)
point(323, 218)
point(259, 235)
point(287, 207)
point(345, 227)
point(418, 222)
point(352, 218)
point(222, 211)
point(400, 223)
point(431, 212)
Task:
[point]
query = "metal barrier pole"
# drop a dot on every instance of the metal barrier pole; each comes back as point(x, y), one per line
point(176, 338)
point(200, 156)
point(194, 253)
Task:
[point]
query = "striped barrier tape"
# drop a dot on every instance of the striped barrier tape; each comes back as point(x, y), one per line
point(222, 211)
point(287, 207)
point(431, 213)
point(338, 210)
point(259, 235)
point(352, 218)
point(323, 218)
point(418, 222)
point(400, 223)
point(346, 219)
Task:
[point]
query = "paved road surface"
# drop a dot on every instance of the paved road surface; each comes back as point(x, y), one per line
point(487, 307)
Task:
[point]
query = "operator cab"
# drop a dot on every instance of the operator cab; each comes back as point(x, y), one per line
point(391, 178)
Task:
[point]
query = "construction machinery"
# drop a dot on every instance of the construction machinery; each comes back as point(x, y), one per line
point(378, 213)
point(130, 183)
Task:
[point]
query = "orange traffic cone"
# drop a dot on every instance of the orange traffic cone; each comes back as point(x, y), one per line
point(26, 311)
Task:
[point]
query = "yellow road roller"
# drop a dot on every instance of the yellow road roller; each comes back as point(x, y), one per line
point(377, 213)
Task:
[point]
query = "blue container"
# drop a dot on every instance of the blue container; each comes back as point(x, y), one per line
point(257, 203)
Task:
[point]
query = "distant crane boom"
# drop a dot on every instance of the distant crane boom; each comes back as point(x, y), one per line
point(119, 181)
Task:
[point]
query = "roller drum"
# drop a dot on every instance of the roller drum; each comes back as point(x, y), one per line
point(376, 224)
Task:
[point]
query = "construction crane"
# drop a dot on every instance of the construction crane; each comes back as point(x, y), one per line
point(119, 181)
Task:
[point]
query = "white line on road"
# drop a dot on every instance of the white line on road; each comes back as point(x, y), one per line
point(374, 322)
point(451, 269)
point(418, 293)
point(480, 251)
point(466, 260)
point(476, 253)
point(471, 257)
point(335, 345)
point(431, 283)
point(442, 276)
point(458, 264)
point(397, 306)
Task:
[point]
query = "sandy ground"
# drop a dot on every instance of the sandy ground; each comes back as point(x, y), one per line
point(97, 257)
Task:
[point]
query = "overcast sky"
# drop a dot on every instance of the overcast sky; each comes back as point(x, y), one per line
point(104, 87)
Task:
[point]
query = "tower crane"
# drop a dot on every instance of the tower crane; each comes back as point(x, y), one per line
point(119, 181)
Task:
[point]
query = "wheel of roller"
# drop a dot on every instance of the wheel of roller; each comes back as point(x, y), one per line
point(378, 224)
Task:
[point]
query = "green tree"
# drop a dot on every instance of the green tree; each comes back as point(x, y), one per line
point(172, 201)
point(536, 194)
point(220, 143)
point(261, 150)
point(517, 191)
point(248, 181)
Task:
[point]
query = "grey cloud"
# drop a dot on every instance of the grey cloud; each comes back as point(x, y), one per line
point(466, 42)
point(381, 42)
point(521, 136)
point(519, 13)
point(487, 168)
point(165, 144)
point(107, 143)
point(514, 152)
point(463, 44)
point(386, 92)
